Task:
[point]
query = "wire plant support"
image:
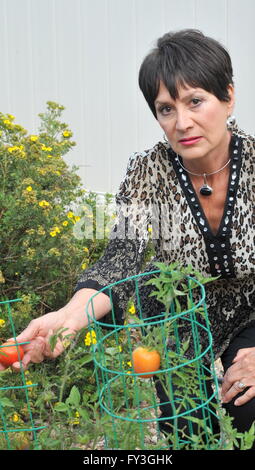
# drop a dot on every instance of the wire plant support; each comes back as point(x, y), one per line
point(8, 432)
point(132, 415)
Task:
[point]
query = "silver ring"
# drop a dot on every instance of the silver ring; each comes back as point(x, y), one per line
point(241, 385)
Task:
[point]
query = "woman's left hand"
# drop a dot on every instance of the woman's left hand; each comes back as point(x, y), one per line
point(241, 372)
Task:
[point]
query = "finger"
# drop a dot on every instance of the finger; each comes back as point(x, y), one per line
point(16, 366)
point(247, 396)
point(241, 353)
point(233, 374)
point(36, 349)
point(30, 332)
point(34, 352)
point(233, 391)
point(229, 379)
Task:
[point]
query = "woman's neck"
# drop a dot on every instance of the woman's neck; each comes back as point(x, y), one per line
point(211, 162)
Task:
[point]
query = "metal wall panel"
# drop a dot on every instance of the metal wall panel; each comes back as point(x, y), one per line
point(86, 55)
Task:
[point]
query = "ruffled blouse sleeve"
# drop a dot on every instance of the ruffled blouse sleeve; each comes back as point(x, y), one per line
point(128, 240)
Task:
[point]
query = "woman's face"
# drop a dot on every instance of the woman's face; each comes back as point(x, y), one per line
point(194, 123)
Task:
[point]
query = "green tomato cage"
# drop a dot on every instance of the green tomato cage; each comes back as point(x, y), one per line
point(13, 434)
point(129, 405)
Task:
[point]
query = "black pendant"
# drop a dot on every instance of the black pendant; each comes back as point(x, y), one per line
point(206, 190)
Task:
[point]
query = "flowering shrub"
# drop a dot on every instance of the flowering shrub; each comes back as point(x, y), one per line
point(50, 230)
point(41, 202)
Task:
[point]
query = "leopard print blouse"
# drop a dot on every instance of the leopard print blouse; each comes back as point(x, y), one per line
point(157, 193)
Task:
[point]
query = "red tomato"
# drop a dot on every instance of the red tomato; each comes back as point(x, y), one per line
point(145, 360)
point(10, 353)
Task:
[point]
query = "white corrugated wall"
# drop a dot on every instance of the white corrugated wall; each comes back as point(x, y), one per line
point(85, 54)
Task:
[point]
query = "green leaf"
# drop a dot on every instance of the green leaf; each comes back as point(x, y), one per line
point(87, 359)
point(74, 397)
point(200, 422)
point(112, 351)
point(61, 407)
point(84, 414)
point(5, 402)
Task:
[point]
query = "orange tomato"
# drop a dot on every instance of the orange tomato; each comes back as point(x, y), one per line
point(145, 360)
point(10, 353)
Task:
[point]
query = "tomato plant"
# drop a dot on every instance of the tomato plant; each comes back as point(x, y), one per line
point(145, 360)
point(10, 353)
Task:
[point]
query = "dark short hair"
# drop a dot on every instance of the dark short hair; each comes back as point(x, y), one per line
point(186, 57)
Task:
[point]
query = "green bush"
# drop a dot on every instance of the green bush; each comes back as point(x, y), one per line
point(42, 203)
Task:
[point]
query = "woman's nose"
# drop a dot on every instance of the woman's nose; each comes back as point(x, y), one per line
point(183, 121)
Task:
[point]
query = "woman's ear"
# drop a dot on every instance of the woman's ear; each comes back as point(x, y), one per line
point(231, 101)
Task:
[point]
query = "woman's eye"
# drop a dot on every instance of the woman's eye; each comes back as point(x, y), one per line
point(195, 101)
point(165, 110)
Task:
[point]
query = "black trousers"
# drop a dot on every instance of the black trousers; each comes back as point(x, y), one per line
point(243, 416)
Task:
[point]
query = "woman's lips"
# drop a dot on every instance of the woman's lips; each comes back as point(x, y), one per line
point(190, 141)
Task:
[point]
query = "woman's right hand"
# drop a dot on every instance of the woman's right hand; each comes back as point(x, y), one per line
point(38, 333)
point(72, 318)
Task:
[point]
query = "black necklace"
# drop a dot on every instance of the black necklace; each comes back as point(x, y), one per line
point(205, 189)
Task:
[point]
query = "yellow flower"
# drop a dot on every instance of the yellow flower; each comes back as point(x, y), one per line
point(28, 382)
point(45, 148)
point(7, 122)
point(54, 231)
point(65, 223)
point(132, 309)
point(84, 266)
point(87, 341)
point(13, 149)
point(2, 323)
point(19, 150)
point(44, 203)
point(77, 218)
point(90, 338)
point(129, 364)
point(76, 419)
point(66, 133)
point(70, 215)
point(150, 229)
point(15, 417)
point(34, 138)
point(49, 156)
point(85, 249)
point(2, 279)
point(29, 188)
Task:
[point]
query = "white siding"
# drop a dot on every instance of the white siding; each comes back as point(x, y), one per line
point(85, 54)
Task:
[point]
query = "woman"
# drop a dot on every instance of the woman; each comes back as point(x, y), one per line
point(196, 189)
